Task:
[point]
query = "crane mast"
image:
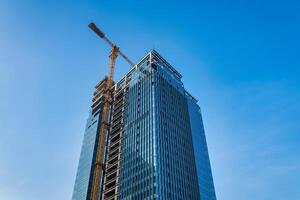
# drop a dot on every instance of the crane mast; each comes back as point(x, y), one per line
point(98, 164)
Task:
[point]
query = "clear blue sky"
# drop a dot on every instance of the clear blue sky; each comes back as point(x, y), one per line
point(241, 59)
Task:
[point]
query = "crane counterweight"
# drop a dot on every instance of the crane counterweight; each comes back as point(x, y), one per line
point(96, 29)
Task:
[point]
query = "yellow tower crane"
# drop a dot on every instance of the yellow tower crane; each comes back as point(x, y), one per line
point(98, 164)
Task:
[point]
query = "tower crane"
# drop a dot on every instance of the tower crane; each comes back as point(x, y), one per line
point(98, 164)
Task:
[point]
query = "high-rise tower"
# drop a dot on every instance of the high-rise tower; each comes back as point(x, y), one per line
point(155, 146)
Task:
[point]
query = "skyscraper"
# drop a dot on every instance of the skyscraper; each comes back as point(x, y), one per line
point(155, 146)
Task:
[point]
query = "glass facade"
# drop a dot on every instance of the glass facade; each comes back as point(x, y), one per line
point(83, 180)
point(205, 180)
point(163, 151)
point(175, 155)
point(137, 157)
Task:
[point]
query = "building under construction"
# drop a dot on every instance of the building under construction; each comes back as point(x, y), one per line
point(144, 138)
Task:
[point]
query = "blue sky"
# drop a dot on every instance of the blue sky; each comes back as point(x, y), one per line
point(239, 58)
